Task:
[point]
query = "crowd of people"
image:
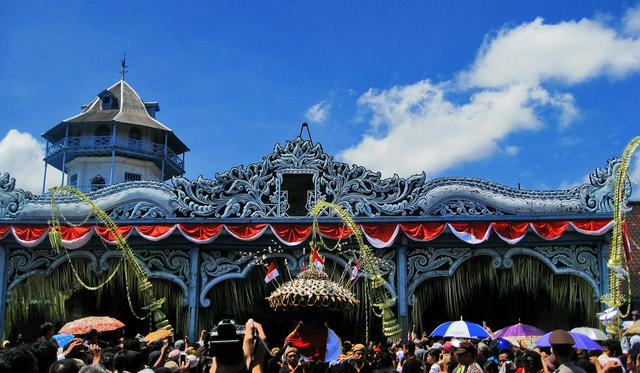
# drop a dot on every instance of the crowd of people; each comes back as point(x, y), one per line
point(91, 353)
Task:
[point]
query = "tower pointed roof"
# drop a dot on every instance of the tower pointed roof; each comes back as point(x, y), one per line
point(127, 108)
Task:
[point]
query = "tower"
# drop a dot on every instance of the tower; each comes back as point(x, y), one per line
point(115, 138)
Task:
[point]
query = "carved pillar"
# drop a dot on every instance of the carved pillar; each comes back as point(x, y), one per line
point(603, 258)
point(403, 306)
point(193, 293)
point(3, 288)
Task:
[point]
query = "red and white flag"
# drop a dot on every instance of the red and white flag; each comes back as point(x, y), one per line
point(304, 268)
point(355, 270)
point(316, 259)
point(625, 240)
point(271, 273)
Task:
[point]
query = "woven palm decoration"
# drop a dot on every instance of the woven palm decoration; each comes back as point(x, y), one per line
point(312, 288)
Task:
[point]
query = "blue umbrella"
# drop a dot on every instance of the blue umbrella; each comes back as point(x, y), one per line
point(460, 329)
point(582, 341)
point(63, 339)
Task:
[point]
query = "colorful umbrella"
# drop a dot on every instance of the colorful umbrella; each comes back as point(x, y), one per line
point(84, 325)
point(582, 341)
point(460, 329)
point(519, 332)
point(157, 335)
point(633, 329)
point(593, 333)
point(63, 339)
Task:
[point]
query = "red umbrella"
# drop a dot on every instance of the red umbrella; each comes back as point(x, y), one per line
point(84, 325)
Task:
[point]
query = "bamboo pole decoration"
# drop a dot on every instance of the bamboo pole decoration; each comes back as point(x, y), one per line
point(617, 264)
point(380, 297)
point(153, 306)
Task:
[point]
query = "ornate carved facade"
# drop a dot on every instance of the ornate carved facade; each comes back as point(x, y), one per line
point(273, 192)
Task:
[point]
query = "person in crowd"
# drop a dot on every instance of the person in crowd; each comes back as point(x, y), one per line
point(292, 362)
point(465, 355)
point(506, 360)
point(356, 363)
point(562, 348)
point(47, 330)
point(433, 356)
point(532, 363)
point(410, 364)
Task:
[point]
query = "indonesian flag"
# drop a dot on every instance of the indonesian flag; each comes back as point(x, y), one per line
point(304, 268)
point(316, 259)
point(271, 273)
point(355, 270)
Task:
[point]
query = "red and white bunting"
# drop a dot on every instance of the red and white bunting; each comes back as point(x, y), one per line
point(378, 235)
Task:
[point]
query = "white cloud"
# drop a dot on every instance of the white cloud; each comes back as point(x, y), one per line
point(425, 131)
point(21, 155)
point(512, 150)
point(319, 112)
point(631, 20)
point(416, 127)
point(568, 52)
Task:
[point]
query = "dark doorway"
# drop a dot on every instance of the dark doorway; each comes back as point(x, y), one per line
point(528, 292)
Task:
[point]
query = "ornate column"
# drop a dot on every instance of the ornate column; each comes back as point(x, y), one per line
point(603, 258)
point(403, 301)
point(192, 299)
point(3, 288)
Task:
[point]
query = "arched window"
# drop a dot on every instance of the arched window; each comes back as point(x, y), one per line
point(98, 182)
point(135, 138)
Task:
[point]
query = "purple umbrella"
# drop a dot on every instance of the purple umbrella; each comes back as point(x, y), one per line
point(518, 330)
point(582, 341)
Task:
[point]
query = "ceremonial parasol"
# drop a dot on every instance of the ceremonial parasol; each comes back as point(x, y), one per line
point(312, 288)
point(157, 335)
point(519, 332)
point(581, 341)
point(84, 325)
point(593, 333)
point(460, 329)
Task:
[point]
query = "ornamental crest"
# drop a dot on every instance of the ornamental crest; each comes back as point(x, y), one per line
point(290, 180)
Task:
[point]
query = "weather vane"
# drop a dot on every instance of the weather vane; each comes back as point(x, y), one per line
point(124, 70)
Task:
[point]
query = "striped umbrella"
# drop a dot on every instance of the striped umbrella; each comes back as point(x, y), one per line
point(460, 329)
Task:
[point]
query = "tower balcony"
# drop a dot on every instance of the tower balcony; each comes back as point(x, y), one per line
point(81, 146)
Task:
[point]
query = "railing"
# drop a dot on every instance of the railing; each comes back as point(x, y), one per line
point(87, 188)
point(89, 144)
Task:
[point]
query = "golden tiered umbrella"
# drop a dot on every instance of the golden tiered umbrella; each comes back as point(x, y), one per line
point(312, 288)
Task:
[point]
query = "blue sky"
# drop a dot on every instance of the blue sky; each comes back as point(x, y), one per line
point(538, 93)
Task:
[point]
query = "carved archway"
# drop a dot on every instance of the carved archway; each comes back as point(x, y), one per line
point(431, 262)
point(483, 287)
point(226, 272)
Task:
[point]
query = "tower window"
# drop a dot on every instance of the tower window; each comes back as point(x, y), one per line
point(98, 182)
point(135, 138)
point(73, 180)
point(107, 102)
point(130, 176)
